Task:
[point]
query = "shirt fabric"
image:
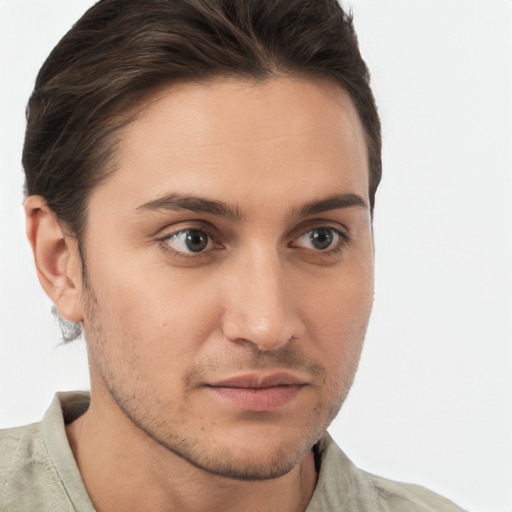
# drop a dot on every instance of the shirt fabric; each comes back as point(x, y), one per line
point(38, 473)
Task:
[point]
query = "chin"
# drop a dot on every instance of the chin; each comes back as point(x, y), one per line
point(248, 451)
point(249, 461)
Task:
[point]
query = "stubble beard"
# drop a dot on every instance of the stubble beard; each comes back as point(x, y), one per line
point(214, 458)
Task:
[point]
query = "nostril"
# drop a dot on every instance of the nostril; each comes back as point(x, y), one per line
point(259, 305)
point(264, 334)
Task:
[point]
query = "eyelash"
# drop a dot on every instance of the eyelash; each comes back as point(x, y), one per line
point(344, 241)
point(163, 241)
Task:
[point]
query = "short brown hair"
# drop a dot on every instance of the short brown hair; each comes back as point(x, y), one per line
point(121, 50)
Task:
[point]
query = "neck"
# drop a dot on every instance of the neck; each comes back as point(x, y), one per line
point(124, 469)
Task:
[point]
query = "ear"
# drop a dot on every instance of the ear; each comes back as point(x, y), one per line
point(56, 257)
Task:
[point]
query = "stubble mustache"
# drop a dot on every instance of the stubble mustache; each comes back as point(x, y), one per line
point(252, 360)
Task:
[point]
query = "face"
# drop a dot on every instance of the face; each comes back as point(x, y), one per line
point(230, 271)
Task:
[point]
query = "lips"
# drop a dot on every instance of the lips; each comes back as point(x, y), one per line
point(258, 381)
point(257, 392)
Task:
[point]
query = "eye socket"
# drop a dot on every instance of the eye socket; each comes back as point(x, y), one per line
point(189, 241)
point(320, 239)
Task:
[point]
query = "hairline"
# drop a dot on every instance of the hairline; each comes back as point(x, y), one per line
point(120, 122)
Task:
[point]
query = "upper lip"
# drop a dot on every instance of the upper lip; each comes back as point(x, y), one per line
point(260, 381)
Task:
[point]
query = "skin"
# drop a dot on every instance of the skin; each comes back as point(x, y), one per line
point(164, 324)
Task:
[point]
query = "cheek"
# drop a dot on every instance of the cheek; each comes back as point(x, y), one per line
point(338, 315)
point(159, 313)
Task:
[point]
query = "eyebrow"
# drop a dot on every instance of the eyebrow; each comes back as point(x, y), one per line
point(335, 202)
point(175, 202)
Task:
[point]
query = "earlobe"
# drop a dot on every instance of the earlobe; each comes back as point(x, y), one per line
point(56, 258)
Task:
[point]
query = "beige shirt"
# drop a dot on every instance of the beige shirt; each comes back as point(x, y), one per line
point(38, 473)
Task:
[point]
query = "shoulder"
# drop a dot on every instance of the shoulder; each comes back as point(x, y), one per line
point(398, 496)
point(344, 487)
point(18, 446)
point(23, 462)
point(28, 477)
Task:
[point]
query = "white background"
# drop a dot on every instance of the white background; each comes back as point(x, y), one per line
point(432, 399)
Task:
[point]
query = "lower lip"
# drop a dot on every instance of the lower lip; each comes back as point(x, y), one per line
point(257, 400)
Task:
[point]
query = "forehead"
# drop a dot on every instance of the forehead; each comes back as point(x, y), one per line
point(272, 138)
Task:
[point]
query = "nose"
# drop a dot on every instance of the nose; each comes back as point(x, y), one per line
point(260, 307)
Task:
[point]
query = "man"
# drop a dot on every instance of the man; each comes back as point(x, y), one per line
point(201, 177)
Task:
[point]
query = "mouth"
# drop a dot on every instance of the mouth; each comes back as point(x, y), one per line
point(258, 393)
